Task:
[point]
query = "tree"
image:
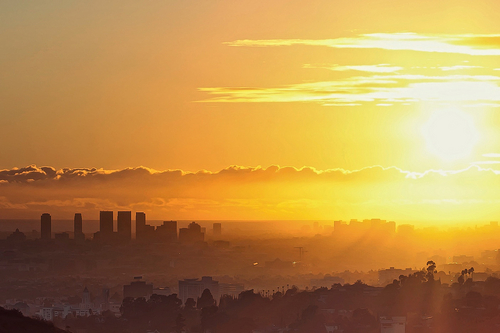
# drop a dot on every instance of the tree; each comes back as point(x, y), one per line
point(190, 304)
point(431, 269)
point(205, 300)
point(208, 317)
point(471, 272)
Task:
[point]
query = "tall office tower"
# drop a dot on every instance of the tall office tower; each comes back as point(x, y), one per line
point(191, 234)
point(124, 222)
point(106, 225)
point(77, 223)
point(46, 226)
point(217, 229)
point(140, 225)
point(78, 228)
point(167, 232)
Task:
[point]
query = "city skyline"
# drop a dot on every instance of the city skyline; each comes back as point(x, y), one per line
point(250, 166)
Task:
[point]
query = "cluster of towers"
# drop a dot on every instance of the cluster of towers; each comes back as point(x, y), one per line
point(167, 232)
point(106, 231)
point(46, 228)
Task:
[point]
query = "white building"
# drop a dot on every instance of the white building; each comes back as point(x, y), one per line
point(193, 288)
point(392, 324)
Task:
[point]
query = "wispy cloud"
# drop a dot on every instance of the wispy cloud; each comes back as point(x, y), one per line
point(402, 88)
point(493, 155)
point(458, 67)
point(471, 44)
point(382, 68)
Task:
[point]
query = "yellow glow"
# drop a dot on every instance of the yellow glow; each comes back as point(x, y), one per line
point(450, 134)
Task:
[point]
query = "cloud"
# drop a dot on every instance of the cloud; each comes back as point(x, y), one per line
point(394, 88)
point(458, 67)
point(239, 192)
point(382, 68)
point(470, 44)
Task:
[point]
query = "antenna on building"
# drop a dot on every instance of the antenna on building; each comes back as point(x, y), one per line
point(301, 251)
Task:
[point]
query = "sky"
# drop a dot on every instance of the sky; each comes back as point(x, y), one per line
point(276, 109)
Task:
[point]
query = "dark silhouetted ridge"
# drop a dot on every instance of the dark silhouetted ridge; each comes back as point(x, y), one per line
point(13, 321)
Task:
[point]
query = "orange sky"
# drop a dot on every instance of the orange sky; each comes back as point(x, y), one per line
point(204, 85)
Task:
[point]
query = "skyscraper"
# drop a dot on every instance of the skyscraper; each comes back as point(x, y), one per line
point(46, 226)
point(191, 234)
point(167, 232)
point(106, 225)
point(217, 229)
point(140, 225)
point(78, 228)
point(124, 222)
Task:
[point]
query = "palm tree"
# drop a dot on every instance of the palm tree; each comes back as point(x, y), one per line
point(471, 272)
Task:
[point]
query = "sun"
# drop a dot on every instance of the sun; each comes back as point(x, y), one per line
point(450, 134)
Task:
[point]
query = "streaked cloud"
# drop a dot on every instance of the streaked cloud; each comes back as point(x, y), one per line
point(458, 67)
point(382, 68)
point(470, 44)
point(402, 88)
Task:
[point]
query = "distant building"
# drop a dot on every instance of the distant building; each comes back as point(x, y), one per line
point(461, 259)
point(138, 288)
point(217, 229)
point(86, 304)
point(232, 289)
point(193, 288)
point(78, 228)
point(392, 324)
point(386, 276)
point(61, 237)
point(191, 234)
point(124, 225)
point(406, 229)
point(105, 225)
point(140, 225)
point(339, 227)
point(46, 226)
point(165, 291)
point(167, 232)
point(16, 236)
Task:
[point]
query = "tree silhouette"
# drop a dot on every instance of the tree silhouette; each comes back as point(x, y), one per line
point(190, 304)
point(205, 300)
point(471, 272)
point(431, 269)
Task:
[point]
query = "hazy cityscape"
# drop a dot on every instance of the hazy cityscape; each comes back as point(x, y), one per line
point(85, 282)
point(250, 166)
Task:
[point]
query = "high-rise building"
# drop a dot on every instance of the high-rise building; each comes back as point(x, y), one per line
point(217, 229)
point(46, 226)
point(77, 223)
point(140, 225)
point(167, 232)
point(138, 288)
point(191, 234)
point(105, 225)
point(124, 224)
point(78, 228)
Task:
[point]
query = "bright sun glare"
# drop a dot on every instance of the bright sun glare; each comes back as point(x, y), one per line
point(450, 134)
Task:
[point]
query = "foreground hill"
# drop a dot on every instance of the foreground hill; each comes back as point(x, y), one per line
point(13, 321)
